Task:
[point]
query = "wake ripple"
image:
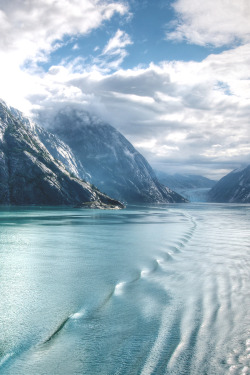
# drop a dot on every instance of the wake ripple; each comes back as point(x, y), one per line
point(203, 326)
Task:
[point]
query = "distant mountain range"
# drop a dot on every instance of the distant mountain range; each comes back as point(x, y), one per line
point(232, 188)
point(184, 181)
point(39, 167)
point(68, 162)
point(195, 188)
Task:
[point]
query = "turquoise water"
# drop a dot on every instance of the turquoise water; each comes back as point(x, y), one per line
point(146, 290)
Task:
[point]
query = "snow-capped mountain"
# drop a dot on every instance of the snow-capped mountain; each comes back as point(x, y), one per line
point(29, 174)
point(54, 145)
point(109, 159)
point(195, 188)
point(232, 188)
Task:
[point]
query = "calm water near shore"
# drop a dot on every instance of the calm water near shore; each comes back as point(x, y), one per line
point(157, 290)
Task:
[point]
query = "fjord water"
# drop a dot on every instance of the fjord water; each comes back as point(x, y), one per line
point(146, 290)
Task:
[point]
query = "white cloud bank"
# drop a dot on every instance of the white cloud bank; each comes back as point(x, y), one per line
point(212, 22)
point(30, 30)
point(189, 114)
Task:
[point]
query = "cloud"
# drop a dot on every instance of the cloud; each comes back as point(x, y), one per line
point(176, 113)
point(114, 52)
point(32, 28)
point(75, 47)
point(117, 43)
point(214, 22)
point(190, 115)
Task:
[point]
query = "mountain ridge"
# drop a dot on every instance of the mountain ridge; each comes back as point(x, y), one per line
point(109, 159)
point(30, 175)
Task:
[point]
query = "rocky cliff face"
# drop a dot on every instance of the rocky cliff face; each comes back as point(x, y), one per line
point(233, 188)
point(109, 159)
point(29, 174)
point(56, 147)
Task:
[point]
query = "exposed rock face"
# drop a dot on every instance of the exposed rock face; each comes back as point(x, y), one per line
point(232, 188)
point(56, 147)
point(109, 159)
point(29, 174)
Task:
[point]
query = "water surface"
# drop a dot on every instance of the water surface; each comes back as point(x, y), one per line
point(146, 290)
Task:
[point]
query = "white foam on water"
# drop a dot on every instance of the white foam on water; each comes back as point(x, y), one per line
point(233, 369)
point(145, 272)
point(119, 287)
point(79, 314)
point(160, 261)
point(158, 346)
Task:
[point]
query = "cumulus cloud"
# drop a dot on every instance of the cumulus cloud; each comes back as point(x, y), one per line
point(185, 113)
point(32, 28)
point(190, 115)
point(213, 22)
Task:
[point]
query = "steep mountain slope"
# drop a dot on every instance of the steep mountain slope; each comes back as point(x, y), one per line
point(232, 188)
point(110, 161)
point(56, 147)
point(30, 175)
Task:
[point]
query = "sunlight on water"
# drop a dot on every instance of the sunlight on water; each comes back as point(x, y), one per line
point(146, 290)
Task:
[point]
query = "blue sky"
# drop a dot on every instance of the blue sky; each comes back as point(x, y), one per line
point(172, 76)
point(146, 25)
